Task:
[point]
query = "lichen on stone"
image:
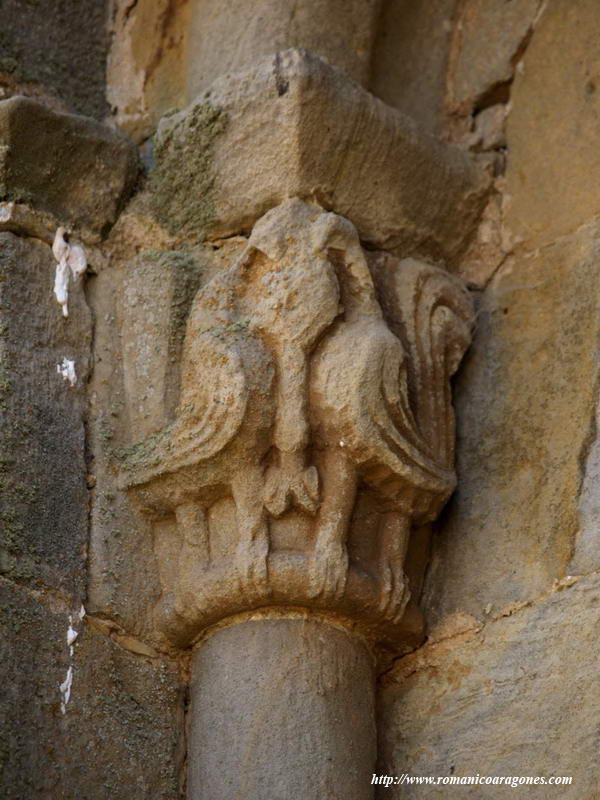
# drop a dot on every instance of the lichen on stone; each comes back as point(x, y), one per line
point(182, 183)
point(187, 273)
point(144, 454)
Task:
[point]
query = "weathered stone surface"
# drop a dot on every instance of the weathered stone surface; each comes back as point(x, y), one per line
point(164, 53)
point(43, 495)
point(488, 38)
point(552, 128)
point(53, 51)
point(153, 308)
point(517, 694)
point(525, 402)
point(226, 37)
point(280, 453)
point(147, 65)
point(140, 306)
point(23, 220)
point(586, 553)
point(294, 125)
point(291, 715)
point(120, 733)
point(79, 171)
point(488, 248)
point(410, 56)
point(518, 697)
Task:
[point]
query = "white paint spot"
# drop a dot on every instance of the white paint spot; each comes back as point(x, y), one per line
point(6, 211)
point(66, 368)
point(72, 634)
point(77, 260)
point(65, 690)
point(65, 686)
point(71, 260)
point(61, 286)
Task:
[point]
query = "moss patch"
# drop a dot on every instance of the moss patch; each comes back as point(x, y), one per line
point(145, 454)
point(182, 183)
point(187, 273)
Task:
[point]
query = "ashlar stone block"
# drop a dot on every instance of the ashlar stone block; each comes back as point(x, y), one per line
point(79, 170)
point(295, 126)
point(44, 364)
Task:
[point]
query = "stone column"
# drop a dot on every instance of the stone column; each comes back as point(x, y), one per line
point(314, 426)
point(283, 707)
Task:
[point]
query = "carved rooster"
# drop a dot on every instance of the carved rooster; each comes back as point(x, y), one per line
point(297, 387)
point(244, 383)
point(381, 407)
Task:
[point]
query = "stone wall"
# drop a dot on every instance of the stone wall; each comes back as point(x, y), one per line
point(93, 700)
point(505, 683)
point(85, 712)
point(56, 51)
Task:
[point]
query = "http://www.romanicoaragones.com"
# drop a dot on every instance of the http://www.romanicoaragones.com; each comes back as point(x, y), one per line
point(513, 781)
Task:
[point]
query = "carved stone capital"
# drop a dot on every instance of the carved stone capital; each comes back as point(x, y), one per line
point(314, 428)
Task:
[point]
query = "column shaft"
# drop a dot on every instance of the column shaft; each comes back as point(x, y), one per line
point(282, 708)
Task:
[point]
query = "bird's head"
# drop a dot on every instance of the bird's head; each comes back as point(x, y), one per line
point(338, 239)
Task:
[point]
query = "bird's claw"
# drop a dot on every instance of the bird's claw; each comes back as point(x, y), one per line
point(252, 572)
point(284, 489)
point(394, 592)
point(329, 573)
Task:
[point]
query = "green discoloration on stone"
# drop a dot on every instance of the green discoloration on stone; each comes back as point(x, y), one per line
point(183, 181)
point(144, 454)
point(186, 275)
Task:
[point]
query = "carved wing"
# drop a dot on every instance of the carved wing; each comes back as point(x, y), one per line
point(431, 313)
point(381, 388)
point(220, 363)
point(214, 387)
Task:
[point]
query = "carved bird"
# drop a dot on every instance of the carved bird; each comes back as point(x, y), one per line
point(244, 380)
point(380, 406)
point(289, 359)
point(220, 434)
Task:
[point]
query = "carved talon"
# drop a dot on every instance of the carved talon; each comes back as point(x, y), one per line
point(276, 494)
point(251, 571)
point(290, 485)
point(394, 591)
point(307, 492)
point(329, 573)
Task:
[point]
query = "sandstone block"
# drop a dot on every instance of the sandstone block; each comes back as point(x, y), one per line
point(410, 57)
point(44, 363)
point(119, 732)
point(226, 37)
point(78, 170)
point(56, 53)
point(518, 698)
point(525, 402)
point(293, 125)
point(586, 553)
point(552, 130)
point(487, 40)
